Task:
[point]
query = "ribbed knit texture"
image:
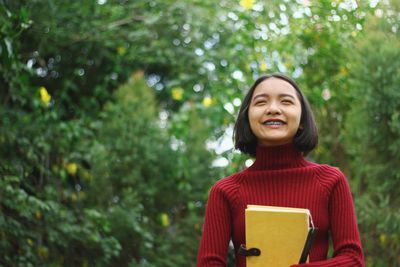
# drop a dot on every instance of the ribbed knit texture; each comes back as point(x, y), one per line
point(280, 176)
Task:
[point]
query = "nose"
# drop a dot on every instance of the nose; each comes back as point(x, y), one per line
point(273, 108)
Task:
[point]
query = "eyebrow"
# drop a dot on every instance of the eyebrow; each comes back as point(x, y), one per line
point(266, 95)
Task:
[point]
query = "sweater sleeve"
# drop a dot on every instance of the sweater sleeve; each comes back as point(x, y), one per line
point(214, 243)
point(344, 230)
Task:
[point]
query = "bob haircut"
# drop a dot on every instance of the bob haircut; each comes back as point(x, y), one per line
point(306, 138)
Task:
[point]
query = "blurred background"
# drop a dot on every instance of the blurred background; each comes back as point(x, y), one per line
point(116, 117)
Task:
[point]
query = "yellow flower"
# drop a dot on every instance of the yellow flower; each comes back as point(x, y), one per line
point(43, 252)
point(71, 168)
point(288, 64)
point(343, 71)
point(44, 95)
point(263, 67)
point(121, 50)
point(177, 93)
point(382, 239)
point(38, 215)
point(207, 101)
point(164, 218)
point(29, 241)
point(247, 4)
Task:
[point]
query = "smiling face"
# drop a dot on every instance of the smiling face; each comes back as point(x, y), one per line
point(274, 112)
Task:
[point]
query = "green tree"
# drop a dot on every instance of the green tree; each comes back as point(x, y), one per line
point(95, 162)
point(149, 190)
point(372, 136)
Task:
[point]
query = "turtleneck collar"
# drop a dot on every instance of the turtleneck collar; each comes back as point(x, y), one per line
point(278, 157)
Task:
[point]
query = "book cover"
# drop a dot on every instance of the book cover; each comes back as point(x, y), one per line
point(280, 233)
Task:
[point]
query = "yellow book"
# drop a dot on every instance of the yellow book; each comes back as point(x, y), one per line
point(280, 233)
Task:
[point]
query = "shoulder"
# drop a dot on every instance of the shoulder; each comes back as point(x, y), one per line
point(329, 176)
point(330, 171)
point(228, 185)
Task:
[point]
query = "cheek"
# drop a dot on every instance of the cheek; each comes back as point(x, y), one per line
point(298, 121)
point(252, 121)
point(297, 114)
point(252, 116)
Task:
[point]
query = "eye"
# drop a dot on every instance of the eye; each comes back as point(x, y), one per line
point(287, 101)
point(259, 102)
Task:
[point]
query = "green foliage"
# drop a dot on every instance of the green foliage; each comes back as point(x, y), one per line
point(115, 195)
point(13, 74)
point(149, 191)
point(373, 134)
point(102, 167)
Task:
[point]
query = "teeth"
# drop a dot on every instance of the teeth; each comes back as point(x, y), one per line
point(273, 123)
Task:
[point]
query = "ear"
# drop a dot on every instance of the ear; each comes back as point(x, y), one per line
point(301, 127)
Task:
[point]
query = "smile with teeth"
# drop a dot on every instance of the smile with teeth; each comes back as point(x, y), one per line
point(274, 123)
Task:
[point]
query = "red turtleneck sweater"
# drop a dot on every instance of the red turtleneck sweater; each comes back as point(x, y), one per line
point(280, 176)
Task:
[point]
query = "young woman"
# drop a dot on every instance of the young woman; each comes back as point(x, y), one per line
point(276, 125)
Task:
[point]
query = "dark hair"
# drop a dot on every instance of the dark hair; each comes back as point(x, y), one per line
point(306, 138)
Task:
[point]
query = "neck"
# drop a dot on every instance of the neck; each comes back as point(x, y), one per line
point(278, 157)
